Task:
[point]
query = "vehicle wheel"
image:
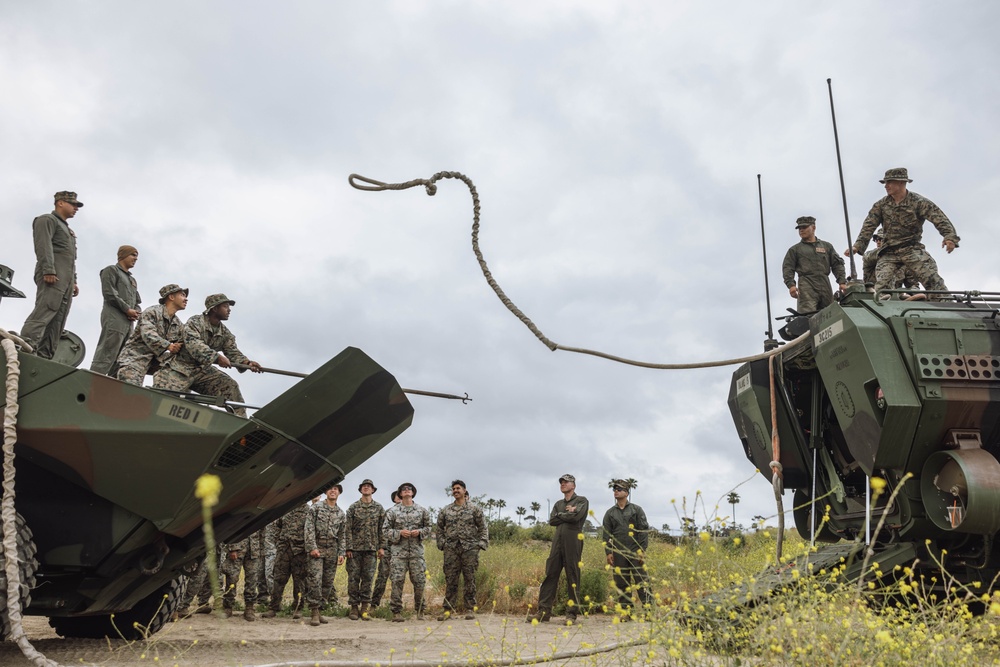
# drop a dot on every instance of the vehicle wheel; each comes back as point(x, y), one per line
point(29, 565)
point(802, 513)
point(142, 620)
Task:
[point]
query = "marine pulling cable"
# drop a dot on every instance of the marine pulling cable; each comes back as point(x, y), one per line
point(430, 186)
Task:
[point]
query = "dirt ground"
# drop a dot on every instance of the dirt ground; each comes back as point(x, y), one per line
point(209, 641)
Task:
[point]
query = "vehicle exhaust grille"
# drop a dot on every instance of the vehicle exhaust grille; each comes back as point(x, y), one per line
point(242, 450)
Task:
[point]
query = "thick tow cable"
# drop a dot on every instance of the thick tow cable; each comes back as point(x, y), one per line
point(294, 374)
point(430, 186)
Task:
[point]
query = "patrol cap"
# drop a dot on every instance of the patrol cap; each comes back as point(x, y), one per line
point(804, 221)
point(877, 236)
point(403, 485)
point(896, 174)
point(336, 486)
point(567, 478)
point(619, 485)
point(172, 288)
point(369, 483)
point(67, 196)
point(215, 299)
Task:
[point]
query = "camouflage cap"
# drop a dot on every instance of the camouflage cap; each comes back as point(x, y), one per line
point(369, 483)
point(804, 221)
point(172, 288)
point(877, 236)
point(617, 484)
point(896, 174)
point(67, 196)
point(214, 300)
point(567, 478)
point(404, 485)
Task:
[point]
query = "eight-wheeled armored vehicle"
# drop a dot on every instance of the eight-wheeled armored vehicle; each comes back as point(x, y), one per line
point(885, 388)
point(108, 523)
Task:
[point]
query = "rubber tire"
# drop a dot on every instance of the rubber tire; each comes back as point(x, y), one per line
point(29, 565)
point(144, 619)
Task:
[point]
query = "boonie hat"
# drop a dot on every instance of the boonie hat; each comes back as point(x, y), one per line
point(896, 174)
point(568, 478)
point(215, 299)
point(400, 489)
point(369, 483)
point(67, 196)
point(172, 288)
point(804, 221)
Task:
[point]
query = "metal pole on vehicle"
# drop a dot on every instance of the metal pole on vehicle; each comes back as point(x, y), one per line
point(843, 190)
point(770, 343)
point(418, 392)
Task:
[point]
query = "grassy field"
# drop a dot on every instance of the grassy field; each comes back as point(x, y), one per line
point(701, 616)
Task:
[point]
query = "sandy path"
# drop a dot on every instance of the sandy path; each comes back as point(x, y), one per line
point(207, 641)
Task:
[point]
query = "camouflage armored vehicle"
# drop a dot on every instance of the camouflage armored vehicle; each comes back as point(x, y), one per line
point(883, 388)
point(105, 471)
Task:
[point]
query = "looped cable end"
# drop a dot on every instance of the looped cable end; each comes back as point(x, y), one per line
point(431, 188)
point(374, 186)
point(776, 466)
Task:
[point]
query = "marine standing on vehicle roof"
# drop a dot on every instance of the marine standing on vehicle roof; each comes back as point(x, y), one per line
point(55, 275)
point(246, 555)
point(290, 561)
point(626, 539)
point(901, 214)
point(120, 310)
point(813, 260)
point(870, 261)
point(326, 545)
point(207, 341)
point(364, 549)
point(406, 527)
point(568, 515)
point(462, 532)
point(384, 565)
point(157, 336)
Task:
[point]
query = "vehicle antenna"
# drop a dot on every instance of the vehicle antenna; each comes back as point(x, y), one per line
point(843, 191)
point(770, 343)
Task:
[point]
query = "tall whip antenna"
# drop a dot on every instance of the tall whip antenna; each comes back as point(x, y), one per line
point(843, 191)
point(770, 343)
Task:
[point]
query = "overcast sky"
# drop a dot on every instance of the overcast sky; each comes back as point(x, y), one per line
point(615, 147)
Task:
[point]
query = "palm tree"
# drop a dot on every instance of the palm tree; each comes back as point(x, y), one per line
point(536, 507)
point(520, 512)
point(490, 504)
point(733, 499)
point(500, 505)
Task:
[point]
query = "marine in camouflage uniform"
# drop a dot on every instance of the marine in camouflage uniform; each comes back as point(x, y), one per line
point(199, 587)
point(625, 532)
point(207, 341)
point(157, 336)
point(406, 527)
point(870, 261)
point(290, 560)
point(326, 545)
point(120, 310)
point(55, 275)
point(901, 214)
point(384, 565)
point(568, 515)
point(246, 555)
point(462, 532)
point(813, 260)
point(265, 574)
point(363, 548)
